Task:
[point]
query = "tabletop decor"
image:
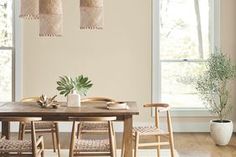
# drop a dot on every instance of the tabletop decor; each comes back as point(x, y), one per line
point(50, 18)
point(117, 105)
point(29, 9)
point(45, 102)
point(91, 14)
point(73, 88)
point(212, 86)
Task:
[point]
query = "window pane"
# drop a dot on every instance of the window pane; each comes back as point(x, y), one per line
point(6, 23)
point(184, 29)
point(5, 75)
point(176, 83)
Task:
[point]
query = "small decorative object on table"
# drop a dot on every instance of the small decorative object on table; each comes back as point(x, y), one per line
point(118, 105)
point(73, 88)
point(45, 102)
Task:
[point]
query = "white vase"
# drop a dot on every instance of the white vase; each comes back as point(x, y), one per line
point(73, 99)
point(221, 132)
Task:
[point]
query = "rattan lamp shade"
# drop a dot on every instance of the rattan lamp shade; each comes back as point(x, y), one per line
point(29, 9)
point(50, 18)
point(91, 14)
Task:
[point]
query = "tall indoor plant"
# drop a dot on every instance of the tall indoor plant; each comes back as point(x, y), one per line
point(212, 86)
point(73, 88)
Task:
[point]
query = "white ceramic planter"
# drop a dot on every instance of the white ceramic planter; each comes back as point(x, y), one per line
point(221, 132)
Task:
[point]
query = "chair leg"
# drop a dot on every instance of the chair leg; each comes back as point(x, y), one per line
point(171, 140)
point(136, 144)
point(42, 154)
point(53, 140)
point(114, 139)
point(21, 131)
point(123, 146)
point(79, 130)
point(57, 139)
point(42, 147)
point(19, 134)
point(33, 139)
point(111, 139)
point(158, 147)
point(72, 141)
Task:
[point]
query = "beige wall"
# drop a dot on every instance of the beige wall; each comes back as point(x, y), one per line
point(117, 59)
point(228, 39)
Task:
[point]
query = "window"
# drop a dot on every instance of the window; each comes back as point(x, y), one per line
point(6, 50)
point(184, 37)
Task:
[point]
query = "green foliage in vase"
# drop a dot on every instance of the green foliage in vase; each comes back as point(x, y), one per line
point(212, 84)
point(66, 85)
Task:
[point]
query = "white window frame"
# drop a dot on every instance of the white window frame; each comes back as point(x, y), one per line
point(18, 38)
point(156, 63)
point(16, 52)
point(15, 49)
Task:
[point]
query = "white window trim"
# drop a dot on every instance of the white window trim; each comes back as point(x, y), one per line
point(18, 70)
point(16, 51)
point(156, 77)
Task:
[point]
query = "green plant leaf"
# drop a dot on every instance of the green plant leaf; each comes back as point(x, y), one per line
point(212, 83)
point(66, 84)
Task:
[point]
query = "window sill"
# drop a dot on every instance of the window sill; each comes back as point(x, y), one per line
point(188, 113)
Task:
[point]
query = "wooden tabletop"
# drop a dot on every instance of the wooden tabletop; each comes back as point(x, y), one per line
point(86, 109)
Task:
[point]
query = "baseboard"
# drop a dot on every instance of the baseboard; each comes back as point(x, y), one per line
point(177, 127)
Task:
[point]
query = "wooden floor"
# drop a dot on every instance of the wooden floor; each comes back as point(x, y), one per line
point(187, 144)
point(201, 145)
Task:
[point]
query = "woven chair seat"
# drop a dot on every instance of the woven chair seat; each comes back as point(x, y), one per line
point(94, 126)
point(84, 145)
point(149, 130)
point(15, 145)
point(40, 125)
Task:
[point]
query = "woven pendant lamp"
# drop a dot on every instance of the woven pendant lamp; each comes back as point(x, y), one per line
point(91, 14)
point(50, 18)
point(29, 9)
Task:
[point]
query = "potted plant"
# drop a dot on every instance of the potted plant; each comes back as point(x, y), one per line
point(73, 88)
point(212, 86)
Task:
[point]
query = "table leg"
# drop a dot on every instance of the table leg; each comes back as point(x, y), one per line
point(123, 143)
point(127, 137)
point(6, 129)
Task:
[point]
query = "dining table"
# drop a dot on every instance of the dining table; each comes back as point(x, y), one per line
point(63, 112)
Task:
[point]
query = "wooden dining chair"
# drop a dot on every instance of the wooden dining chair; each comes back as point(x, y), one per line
point(93, 146)
point(41, 127)
point(155, 131)
point(22, 148)
point(95, 127)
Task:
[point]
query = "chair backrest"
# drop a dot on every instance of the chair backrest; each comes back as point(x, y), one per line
point(159, 106)
point(30, 99)
point(92, 119)
point(97, 99)
point(20, 119)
